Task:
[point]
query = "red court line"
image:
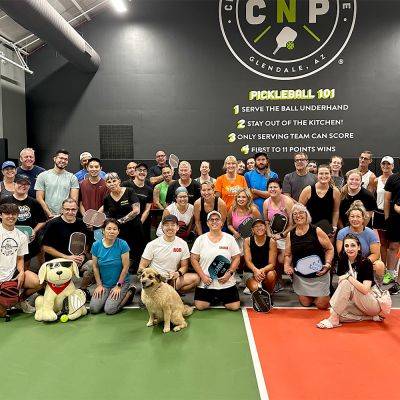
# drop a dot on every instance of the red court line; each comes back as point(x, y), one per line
point(300, 361)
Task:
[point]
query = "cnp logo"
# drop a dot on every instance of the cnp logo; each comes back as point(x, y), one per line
point(286, 39)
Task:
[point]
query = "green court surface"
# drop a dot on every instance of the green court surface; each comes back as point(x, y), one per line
point(118, 357)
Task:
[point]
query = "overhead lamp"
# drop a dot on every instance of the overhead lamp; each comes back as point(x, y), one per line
point(119, 6)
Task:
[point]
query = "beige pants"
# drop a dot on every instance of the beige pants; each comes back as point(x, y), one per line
point(352, 305)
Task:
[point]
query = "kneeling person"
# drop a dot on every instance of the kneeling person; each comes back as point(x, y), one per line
point(169, 255)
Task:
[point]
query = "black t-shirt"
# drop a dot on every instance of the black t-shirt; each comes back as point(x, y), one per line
point(58, 233)
point(393, 186)
point(364, 269)
point(122, 207)
point(363, 195)
point(30, 211)
point(144, 194)
point(193, 191)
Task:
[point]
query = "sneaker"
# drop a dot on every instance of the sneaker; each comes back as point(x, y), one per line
point(25, 307)
point(278, 287)
point(395, 289)
point(87, 293)
point(246, 291)
point(388, 278)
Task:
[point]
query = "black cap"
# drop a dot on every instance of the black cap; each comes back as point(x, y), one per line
point(22, 177)
point(170, 218)
point(260, 153)
point(142, 164)
point(256, 221)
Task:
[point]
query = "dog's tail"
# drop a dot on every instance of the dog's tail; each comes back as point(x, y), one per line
point(187, 311)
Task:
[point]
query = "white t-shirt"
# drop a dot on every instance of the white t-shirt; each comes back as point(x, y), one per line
point(208, 250)
point(12, 244)
point(184, 218)
point(166, 256)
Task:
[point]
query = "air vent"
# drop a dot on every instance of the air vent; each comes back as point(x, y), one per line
point(116, 142)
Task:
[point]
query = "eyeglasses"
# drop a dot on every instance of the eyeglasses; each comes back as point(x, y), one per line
point(300, 160)
point(214, 219)
point(364, 158)
point(70, 209)
point(161, 155)
point(141, 170)
point(296, 214)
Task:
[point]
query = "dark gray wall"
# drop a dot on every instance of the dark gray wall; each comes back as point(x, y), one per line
point(166, 70)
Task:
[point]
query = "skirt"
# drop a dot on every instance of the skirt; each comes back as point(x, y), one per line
point(311, 287)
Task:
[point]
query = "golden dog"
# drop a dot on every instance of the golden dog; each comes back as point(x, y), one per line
point(163, 302)
point(58, 274)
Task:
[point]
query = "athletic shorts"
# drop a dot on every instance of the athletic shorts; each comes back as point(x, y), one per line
point(379, 221)
point(393, 228)
point(226, 296)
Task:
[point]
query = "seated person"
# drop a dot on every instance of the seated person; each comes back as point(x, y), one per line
point(14, 245)
point(57, 235)
point(169, 255)
point(110, 261)
point(260, 253)
point(206, 249)
point(353, 300)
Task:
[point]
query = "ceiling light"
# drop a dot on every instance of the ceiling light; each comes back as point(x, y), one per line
point(119, 5)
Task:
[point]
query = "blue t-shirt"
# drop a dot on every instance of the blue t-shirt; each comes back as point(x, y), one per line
point(81, 175)
point(366, 238)
point(32, 174)
point(109, 261)
point(258, 181)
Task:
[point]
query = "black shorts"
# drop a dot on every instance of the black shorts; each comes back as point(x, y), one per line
point(379, 221)
point(393, 228)
point(226, 296)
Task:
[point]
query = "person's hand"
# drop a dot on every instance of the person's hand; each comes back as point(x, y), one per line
point(288, 270)
point(225, 278)
point(98, 292)
point(206, 279)
point(32, 237)
point(343, 277)
point(259, 275)
point(174, 275)
point(324, 270)
point(115, 293)
point(78, 259)
point(20, 279)
point(236, 235)
point(276, 236)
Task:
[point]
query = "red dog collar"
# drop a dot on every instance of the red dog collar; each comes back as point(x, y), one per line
point(58, 288)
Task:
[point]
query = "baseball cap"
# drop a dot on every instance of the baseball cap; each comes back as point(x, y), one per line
point(84, 155)
point(170, 218)
point(256, 221)
point(212, 213)
point(8, 164)
point(181, 189)
point(260, 153)
point(142, 164)
point(388, 159)
point(22, 177)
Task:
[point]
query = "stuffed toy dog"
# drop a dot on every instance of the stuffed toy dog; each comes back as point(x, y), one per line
point(58, 275)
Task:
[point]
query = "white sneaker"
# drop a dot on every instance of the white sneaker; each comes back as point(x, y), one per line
point(246, 291)
point(25, 307)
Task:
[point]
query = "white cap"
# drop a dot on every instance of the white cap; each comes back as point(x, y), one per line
point(212, 213)
point(388, 159)
point(84, 155)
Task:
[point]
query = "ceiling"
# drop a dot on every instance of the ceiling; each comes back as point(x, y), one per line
point(74, 11)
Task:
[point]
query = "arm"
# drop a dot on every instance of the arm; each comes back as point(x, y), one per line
point(156, 198)
point(40, 199)
point(361, 287)
point(57, 254)
point(371, 183)
point(264, 194)
point(195, 260)
point(234, 232)
point(287, 263)
point(335, 212)
point(196, 213)
point(115, 292)
point(375, 252)
point(305, 195)
point(74, 193)
point(154, 180)
point(37, 228)
point(143, 264)
point(386, 204)
point(21, 270)
point(255, 212)
point(98, 292)
point(146, 213)
point(182, 268)
point(235, 261)
point(222, 209)
point(329, 252)
point(82, 209)
point(132, 214)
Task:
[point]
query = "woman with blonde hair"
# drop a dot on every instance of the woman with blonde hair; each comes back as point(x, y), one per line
point(228, 185)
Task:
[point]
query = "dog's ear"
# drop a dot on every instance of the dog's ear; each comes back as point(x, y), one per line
point(158, 277)
point(140, 272)
point(75, 269)
point(42, 273)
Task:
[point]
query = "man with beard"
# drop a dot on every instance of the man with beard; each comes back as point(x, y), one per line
point(28, 168)
point(257, 180)
point(55, 185)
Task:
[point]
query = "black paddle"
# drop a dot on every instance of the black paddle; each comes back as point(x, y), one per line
point(261, 301)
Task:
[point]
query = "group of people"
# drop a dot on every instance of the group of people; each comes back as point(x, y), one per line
point(302, 226)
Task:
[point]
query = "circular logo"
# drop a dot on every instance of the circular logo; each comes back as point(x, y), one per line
point(286, 39)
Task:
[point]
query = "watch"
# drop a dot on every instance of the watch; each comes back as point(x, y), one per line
point(231, 272)
point(119, 284)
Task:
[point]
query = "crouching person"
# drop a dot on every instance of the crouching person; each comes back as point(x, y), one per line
point(169, 255)
point(110, 262)
point(14, 245)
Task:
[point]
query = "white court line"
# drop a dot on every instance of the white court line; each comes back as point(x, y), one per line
point(254, 355)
